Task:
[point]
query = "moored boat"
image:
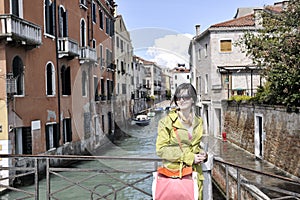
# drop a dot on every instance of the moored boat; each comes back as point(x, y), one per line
point(142, 120)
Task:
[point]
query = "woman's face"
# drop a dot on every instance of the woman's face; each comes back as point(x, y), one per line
point(184, 100)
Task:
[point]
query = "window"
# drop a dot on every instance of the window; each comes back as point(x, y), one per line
point(122, 45)
point(103, 123)
point(18, 73)
point(108, 90)
point(101, 61)
point(82, 33)
point(118, 42)
point(67, 130)
point(175, 77)
point(123, 88)
point(187, 77)
point(205, 50)
point(62, 22)
point(16, 8)
point(86, 124)
point(84, 84)
point(101, 23)
point(94, 44)
point(199, 54)
point(107, 20)
point(52, 136)
point(66, 80)
point(108, 58)
point(225, 46)
point(206, 84)
point(109, 118)
point(83, 2)
point(94, 18)
point(102, 89)
point(49, 17)
point(96, 88)
point(50, 80)
point(23, 140)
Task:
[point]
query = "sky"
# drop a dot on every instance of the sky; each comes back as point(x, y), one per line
point(161, 30)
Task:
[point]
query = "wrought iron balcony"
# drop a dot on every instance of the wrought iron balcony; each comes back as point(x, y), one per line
point(18, 30)
point(67, 47)
point(87, 54)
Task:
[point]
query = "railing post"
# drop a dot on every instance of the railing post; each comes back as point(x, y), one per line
point(36, 180)
point(227, 183)
point(239, 183)
point(207, 183)
point(47, 179)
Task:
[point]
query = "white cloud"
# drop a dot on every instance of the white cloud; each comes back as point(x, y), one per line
point(170, 50)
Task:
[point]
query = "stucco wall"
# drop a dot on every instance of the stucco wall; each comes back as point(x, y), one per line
point(281, 133)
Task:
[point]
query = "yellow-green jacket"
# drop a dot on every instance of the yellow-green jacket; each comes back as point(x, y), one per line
point(167, 146)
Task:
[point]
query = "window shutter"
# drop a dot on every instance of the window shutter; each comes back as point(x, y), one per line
point(53, 19)
point(225, 46)
point(66, 24)
point(60, 23)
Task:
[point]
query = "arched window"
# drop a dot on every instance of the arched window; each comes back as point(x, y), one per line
point(82, 33)
point(18, 73)
point(65, 80)
point(62, 22)
point(84, 84)
point(49, 17)
point(50, 80)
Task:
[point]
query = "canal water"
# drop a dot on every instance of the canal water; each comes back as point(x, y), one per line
point(140, 143)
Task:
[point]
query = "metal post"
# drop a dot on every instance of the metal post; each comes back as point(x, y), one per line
point(227, 183)
point(36, 178)
point(47, 179)
point(207, 183)
point(239, 184)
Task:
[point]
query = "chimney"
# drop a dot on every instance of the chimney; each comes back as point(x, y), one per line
point(197, 29)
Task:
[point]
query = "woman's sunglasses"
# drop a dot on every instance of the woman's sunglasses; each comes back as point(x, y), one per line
point(185, 97)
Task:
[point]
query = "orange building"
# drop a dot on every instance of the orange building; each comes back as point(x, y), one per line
point(56, 75)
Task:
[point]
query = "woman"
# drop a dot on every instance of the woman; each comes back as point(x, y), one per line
point(188, 126)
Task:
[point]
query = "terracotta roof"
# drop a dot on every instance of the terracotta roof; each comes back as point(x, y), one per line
point(275, 8)
point(247, 20)
point(181, 70)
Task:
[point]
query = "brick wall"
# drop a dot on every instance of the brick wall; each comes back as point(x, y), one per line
point(281, 144)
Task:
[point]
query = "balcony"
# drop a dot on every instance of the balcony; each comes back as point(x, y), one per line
point(17, 30)
point(67, 48)
point(87, 54)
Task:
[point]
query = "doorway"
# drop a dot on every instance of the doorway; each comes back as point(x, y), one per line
point(258, 136)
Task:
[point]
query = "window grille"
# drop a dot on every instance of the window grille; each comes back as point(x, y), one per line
point(11, 83)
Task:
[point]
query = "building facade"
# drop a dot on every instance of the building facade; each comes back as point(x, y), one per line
point(220, 69)
point(180, 74)
point(124, 72)
point(57, 75)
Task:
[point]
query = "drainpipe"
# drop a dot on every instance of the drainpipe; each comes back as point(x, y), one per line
point(57, 69)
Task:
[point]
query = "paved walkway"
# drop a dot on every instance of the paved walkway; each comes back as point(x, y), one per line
point(231, 153)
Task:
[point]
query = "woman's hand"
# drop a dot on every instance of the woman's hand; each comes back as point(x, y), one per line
point(200, 158)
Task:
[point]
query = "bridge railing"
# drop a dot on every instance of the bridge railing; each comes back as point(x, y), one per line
point(112, 177)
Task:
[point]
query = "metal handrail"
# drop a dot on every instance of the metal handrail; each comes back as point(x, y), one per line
point(242, 181)
point(55, 170)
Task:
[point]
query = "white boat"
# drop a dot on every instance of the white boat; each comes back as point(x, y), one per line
point(151, 114)
point(142, 120)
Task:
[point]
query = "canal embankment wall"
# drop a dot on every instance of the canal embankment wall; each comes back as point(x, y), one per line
point(280, 138)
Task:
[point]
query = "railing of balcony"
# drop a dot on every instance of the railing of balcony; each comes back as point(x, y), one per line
point(87, 53)
point(17, 28)
point(67, 46)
